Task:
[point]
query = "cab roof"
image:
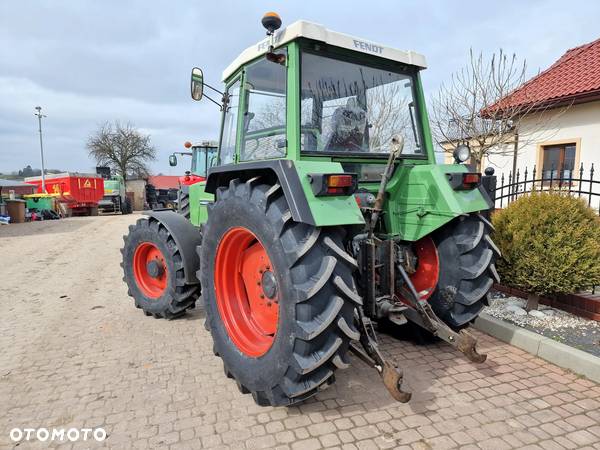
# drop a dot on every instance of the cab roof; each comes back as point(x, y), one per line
point(205, 144)
point(314, 31)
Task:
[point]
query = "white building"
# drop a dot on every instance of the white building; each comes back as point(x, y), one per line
point(566, 133)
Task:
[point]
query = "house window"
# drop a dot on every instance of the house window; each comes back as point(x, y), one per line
point(558, 161)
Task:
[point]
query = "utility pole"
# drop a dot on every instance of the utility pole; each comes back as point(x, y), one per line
point(39, 116)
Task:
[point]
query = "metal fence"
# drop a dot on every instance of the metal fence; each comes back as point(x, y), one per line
point(579, 182)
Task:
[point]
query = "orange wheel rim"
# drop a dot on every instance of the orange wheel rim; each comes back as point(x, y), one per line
point(425, 278)
point(246, 292)
point(150, 270)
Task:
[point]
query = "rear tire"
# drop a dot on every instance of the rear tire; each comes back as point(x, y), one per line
point(467, 271)
point(316, 295)
point(167, 296)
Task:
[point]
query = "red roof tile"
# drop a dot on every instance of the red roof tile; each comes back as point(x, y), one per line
point(164, 181)
point(575, 75)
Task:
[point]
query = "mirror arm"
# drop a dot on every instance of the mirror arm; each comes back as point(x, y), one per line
point(214, 101)
point(210, 87)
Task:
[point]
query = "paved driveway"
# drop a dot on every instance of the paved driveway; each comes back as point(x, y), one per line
point(76, 353)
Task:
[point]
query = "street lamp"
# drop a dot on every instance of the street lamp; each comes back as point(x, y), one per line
point(39, 116)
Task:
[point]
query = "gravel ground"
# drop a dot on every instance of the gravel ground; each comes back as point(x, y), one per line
point(556, 324)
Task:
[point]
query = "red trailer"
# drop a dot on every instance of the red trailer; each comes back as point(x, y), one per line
point(79, 193)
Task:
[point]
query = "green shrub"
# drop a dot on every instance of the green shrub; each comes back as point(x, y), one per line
point(550, 244)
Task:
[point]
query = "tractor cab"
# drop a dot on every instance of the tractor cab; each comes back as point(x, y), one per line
point(204, 156)
point(309, 93)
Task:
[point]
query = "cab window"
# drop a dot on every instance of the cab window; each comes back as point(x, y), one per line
point(204, 159)
point(264, 117)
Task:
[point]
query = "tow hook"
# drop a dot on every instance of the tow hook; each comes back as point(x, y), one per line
point(466, 344)
point(422, 314)
point(390, 373)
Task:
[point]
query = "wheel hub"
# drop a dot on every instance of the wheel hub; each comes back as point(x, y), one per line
point(155, 268)
point(246, 291)
point(269, 284)
point(150, 270)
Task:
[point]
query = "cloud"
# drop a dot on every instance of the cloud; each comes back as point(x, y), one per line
point(86, 62)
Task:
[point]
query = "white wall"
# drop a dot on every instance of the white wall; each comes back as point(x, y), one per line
point(578, 122)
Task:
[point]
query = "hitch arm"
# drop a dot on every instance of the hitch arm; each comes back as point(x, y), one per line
point(422, 314)
point(391, 375)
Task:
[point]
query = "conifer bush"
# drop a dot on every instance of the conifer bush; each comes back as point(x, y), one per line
point(550, 244)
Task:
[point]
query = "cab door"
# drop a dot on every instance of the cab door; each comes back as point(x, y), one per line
point(226, 153)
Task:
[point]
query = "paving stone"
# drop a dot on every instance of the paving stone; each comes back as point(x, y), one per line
point(68, 364)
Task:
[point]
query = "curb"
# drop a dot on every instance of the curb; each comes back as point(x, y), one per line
point(562, 355)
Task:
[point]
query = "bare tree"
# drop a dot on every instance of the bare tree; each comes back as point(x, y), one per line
point(123, 148)
point(388, 114)
point(474, 107)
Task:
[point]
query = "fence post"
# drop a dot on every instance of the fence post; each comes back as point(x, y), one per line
point(501, 189)
point(533, 178)
point(580, 181)
point(570, 181)
point(591, 185)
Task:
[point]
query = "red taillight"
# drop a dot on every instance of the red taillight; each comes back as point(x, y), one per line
point(471, 180)
point(333, 183)
point(339, 181)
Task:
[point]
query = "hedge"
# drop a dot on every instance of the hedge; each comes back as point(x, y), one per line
point(550, 244)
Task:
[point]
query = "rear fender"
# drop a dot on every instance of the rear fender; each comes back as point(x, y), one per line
point(186, 236)
point(295, 183)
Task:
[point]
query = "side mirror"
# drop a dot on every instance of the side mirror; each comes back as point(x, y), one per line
point(197, 84)
point(172, 160)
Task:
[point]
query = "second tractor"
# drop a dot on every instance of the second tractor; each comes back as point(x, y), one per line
point(204, 156)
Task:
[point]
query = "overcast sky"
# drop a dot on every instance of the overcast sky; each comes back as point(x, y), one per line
point(86, 62)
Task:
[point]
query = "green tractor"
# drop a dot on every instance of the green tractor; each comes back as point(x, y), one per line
point(115, 198)
point(204, 156)
point(325, 216)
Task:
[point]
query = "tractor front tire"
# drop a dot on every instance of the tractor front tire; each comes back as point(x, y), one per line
point(183, 205)
point(154, 271)
point(279, 295)
point(467, 270)
point(126, 206)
